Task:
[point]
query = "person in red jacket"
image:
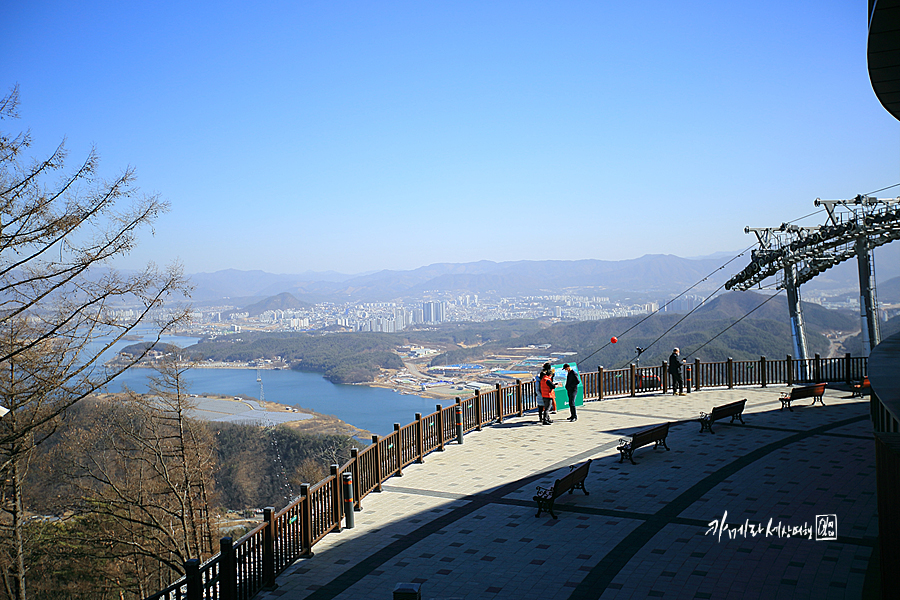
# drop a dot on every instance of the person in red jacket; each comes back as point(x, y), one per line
point(547, 394)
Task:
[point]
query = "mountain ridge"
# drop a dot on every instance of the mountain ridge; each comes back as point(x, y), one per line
point(655, 276)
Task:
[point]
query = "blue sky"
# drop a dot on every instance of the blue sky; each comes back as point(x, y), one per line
point(358, 136)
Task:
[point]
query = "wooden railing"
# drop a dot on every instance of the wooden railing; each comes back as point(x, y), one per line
point(243, 568)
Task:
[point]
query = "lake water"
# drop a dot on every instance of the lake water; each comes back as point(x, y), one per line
point(374, 409)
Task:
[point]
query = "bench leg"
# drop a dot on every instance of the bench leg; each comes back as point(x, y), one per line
point(786, 402)
point(626, 453)
point(817, 399)
point(738, 417)
point(579, 486)
point(663, 442)
point(704, 425)
point(544, 505)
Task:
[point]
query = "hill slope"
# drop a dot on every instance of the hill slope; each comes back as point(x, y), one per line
point(711, 333)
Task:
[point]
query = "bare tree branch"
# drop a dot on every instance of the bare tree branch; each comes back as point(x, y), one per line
point(60, 311)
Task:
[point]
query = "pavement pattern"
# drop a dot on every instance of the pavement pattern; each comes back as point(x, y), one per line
point(740, 513)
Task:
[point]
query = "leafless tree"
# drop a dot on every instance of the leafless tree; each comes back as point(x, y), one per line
point(62, 304)
point(149, 469)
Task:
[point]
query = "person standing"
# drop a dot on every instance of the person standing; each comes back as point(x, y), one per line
point(675, 372)
point(547, 394)
point(572, 382)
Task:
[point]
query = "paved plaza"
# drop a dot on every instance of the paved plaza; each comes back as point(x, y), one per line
point(463, 523)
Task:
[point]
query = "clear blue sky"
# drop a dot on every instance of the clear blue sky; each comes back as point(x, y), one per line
point(357, 136)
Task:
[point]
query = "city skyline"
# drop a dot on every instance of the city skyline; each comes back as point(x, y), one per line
point(356, 138)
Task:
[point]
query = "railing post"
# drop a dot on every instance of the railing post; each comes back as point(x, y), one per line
point(347, 476)
point(379, 476)
point(227, 570)
point(631, 374)
point(664, 380)
point(477, 410)
point(600, 382)
point(420, 439)
point(817, 368)
point(192, 579)
point(499, 402)
point(763, 375)
point(729, 374)
point(440, 425)
point(519, 407)
point(790, 370)
point(354, 469)
point(696, 374)
point(459, 421)
point(306, 533)
point(847, 367)
point(336, 493)
point(398, 443)
point(269, 548)
point(687, 377)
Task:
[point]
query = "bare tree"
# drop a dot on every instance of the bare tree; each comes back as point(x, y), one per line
point(149, 469)
point(62, 305)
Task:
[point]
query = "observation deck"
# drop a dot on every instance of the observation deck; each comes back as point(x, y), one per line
point(462, 523)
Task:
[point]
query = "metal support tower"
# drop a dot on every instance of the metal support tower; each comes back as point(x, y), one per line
point(798, 329)
point(853, 230)
point(868, 304)
point(865, 260)
point(771, 241)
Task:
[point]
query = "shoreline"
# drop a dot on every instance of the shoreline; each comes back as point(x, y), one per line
point(429, 393)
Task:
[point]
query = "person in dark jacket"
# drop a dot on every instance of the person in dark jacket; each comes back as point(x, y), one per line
point(675, 372)
point(572, 382)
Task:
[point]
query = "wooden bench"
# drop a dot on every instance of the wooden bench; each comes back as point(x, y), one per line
point(799, 393)
point(574, 480)
point(732, 409)
point(860, 389)
point(656, 434)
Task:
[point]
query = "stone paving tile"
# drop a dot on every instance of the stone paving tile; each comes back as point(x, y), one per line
point(463, 523)
point(741, 567)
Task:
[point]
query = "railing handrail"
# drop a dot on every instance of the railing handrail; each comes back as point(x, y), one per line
point(477, 413)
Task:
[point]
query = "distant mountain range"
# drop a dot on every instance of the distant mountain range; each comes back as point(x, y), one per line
point(655, 275)
point(650, 277)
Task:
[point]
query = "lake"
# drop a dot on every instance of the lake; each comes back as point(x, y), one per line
point(374, 409)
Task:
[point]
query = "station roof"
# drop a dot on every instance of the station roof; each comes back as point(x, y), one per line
point(883, 53)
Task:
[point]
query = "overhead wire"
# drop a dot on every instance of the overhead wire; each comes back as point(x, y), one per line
point(671, 301)
point(653, 313)
point(884, 188)
point(677, 323)
point(760, 305)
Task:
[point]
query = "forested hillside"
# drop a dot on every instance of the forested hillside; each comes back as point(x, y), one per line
point(724, 328)
point(887, 329)
point(711, 333)
point(120, 488)
point(342, 358)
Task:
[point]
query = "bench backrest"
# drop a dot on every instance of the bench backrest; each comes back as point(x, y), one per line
point(728, 409)
point(808, 391)
point(576, 475)
point(649, 435)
